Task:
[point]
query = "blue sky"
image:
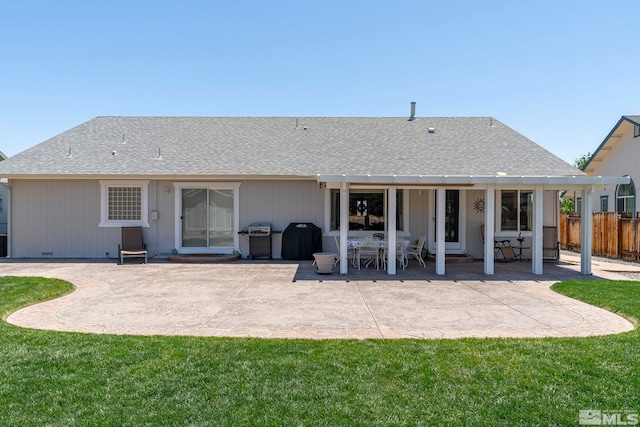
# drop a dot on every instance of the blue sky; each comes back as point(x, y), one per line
point(560, 72)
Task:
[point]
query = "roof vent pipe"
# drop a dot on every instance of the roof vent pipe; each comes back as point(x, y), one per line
point(413, 111)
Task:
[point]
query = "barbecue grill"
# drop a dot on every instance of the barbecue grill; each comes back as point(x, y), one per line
point(259, 240)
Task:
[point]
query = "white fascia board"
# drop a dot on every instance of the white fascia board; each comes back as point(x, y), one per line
point(170, 177)
point(473, 180)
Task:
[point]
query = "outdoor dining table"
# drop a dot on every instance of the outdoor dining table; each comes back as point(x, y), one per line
point(380, 244)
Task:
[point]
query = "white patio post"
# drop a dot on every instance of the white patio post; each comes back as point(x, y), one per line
point(440, 244)
point(489, 226)
point(536, 239)
point(585, 230)
point(344, 226)
point(391, 229)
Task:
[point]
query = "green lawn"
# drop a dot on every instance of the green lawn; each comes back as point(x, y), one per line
point(53, 378)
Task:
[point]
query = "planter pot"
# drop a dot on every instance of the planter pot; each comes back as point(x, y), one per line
point(324, 262)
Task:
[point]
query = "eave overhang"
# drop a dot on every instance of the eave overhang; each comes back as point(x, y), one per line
point(605, 141)
point(562, 182)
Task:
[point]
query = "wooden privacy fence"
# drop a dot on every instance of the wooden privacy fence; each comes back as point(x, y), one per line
point(614, 235)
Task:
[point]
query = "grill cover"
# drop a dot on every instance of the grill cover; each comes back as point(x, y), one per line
point(300, 240)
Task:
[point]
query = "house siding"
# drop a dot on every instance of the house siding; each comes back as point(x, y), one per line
point(419, 213)
point(280, 203)
point(621, 160)
point(59, 218)
point(3, 210)
point(474, 223)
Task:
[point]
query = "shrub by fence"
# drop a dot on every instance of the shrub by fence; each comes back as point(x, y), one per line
point(614, 235)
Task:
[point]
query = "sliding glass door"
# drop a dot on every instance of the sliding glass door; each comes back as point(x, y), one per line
point(208, 219)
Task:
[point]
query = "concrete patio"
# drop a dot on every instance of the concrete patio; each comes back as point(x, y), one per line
point(283, 299)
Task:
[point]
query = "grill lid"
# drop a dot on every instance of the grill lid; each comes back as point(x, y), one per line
point(259, 229)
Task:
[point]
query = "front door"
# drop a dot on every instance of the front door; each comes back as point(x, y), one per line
point(453, 222)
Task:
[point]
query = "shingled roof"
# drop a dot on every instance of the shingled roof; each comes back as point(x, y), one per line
point(286, 147)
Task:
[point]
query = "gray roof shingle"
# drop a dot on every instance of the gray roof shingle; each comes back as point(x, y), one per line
point(196, 146)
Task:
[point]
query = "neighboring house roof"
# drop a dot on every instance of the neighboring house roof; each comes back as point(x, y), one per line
point(274, 146)
point(605, 147)
point(2, 156)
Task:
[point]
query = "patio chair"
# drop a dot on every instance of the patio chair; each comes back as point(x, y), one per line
point(352, 253)
point(416, 251)
point(132, 244)
point(369, 252)
point(498, 245)
point(550, 244)
point(401, 255)
point(504, 248)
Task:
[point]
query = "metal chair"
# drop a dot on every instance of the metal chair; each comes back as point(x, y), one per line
point(504, 248)
point(369, 251)
point(498, 246)
point(132, 244)
point(401, 254)
point(416, 251)
point(550, 244)
point(352, 253)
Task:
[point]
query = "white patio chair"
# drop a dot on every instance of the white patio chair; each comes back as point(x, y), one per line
point(369, 252)
point(352, 253)
point(416, 251)
point(401, 254)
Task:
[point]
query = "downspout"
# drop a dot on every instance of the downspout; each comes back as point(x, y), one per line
point(9, 208)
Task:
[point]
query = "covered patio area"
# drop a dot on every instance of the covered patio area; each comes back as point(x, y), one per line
point(540, 213)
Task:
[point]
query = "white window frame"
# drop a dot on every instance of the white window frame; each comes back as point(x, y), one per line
point(604, 200)
point(498, 215)
point(104, 203)
point(628, 201)
point(405, 210)
point(235, 187)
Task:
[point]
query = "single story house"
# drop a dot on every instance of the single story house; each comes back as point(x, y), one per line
point(618, 154)
point(195, 183)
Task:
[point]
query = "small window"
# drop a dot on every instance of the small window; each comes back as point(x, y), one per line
point(626, 197)
point(123, 203)
point(604, 203)
point(516, 210)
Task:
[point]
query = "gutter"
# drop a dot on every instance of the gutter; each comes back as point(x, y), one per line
point(473, 180)
point(9, 209)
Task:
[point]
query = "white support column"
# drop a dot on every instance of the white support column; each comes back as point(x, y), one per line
point(489, 227)
point(344, 226)
point(440, 244)
point(585, 230)
point(391, 229)
point(538, 222)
